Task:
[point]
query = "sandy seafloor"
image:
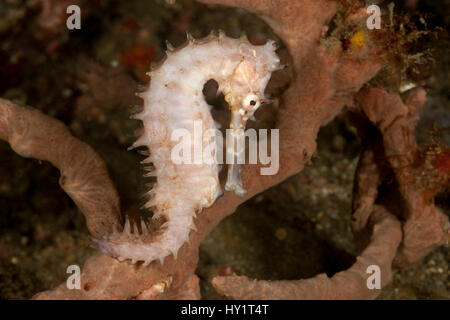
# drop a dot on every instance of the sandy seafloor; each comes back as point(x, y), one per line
point(87, 79)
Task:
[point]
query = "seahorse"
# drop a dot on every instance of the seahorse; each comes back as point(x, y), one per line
point(174, 100)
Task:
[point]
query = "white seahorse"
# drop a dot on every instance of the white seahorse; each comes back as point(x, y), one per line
point(173, 101)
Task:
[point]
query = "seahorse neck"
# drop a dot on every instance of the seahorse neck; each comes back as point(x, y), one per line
point(198, 63)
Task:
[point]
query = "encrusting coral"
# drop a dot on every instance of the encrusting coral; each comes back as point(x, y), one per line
point(326, 81)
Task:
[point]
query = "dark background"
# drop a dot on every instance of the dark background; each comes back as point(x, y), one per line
point(87, 78)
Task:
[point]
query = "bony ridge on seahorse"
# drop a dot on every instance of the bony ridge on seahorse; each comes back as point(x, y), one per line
point(174, 101)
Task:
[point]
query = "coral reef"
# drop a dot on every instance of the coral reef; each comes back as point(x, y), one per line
point(327, 80)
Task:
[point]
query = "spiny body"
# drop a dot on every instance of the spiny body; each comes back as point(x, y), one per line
point(173, 101)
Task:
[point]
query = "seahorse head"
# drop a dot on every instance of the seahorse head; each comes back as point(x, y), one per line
point(245, 88)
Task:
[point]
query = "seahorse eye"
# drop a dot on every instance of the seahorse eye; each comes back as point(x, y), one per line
point(251, 101)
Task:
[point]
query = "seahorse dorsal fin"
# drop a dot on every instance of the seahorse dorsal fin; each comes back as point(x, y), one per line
point(169, 46)
point(190, 38)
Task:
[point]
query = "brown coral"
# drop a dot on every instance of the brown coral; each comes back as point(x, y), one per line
point(326, 78)
point(84, 176)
